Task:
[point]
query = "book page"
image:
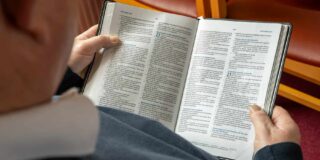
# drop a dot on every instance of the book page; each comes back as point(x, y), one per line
point(145, 75)
point(230, 69)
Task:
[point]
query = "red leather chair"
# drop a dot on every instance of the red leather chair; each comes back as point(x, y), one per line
point(305, 40)
point(303, 59)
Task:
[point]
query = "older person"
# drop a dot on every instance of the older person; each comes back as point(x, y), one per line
point(36, 39)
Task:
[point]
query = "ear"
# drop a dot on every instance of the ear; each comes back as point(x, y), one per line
point(36, 39)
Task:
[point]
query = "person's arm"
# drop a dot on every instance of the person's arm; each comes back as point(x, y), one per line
point(283, 151)
point(70, 80)
point(84, 47)
point(277, 137)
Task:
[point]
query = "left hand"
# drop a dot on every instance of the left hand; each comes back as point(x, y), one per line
point(84, 47)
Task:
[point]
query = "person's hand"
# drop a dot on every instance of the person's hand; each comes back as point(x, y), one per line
point(280, 128)
point(84, 47)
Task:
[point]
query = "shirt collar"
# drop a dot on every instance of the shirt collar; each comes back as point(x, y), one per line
point(62, 128)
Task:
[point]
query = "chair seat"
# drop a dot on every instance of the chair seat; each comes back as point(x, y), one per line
point(182, 7)
point(305, 40)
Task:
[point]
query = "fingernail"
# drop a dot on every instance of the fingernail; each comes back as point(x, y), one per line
point(114, 39)
point(254, 108)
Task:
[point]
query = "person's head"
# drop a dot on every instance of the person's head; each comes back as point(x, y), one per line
point(35, 43)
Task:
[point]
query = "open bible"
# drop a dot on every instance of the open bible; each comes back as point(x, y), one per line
point(195, 76)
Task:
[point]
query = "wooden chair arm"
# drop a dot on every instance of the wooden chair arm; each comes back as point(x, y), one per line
point(205, 8)
point(299, 97)
point(302, 70)
point(135, 3)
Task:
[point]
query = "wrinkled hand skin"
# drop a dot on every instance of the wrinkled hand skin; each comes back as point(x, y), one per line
point(85, 45)
point(36, 39)
point(279, 128)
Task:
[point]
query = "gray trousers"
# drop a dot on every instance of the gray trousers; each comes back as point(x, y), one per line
point(127, 136)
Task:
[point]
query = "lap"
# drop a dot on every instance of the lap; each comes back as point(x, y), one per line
point(128, 136)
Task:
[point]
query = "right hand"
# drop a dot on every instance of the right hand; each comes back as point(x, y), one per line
point(280, 128)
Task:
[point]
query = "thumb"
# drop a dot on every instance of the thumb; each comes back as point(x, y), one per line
point(262, 125)
point(95, 43)
point(260, 119)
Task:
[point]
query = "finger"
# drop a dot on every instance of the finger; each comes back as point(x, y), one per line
point(92, 31)
point(261, 122)
point(94, 44)
point(281, 118)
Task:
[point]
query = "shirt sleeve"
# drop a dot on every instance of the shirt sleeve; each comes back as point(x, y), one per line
point(281, 151)
point(70, 80)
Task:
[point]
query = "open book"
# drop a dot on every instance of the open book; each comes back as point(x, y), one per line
point(195, 76)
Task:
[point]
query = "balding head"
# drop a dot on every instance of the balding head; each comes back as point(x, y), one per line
point(36, 39)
